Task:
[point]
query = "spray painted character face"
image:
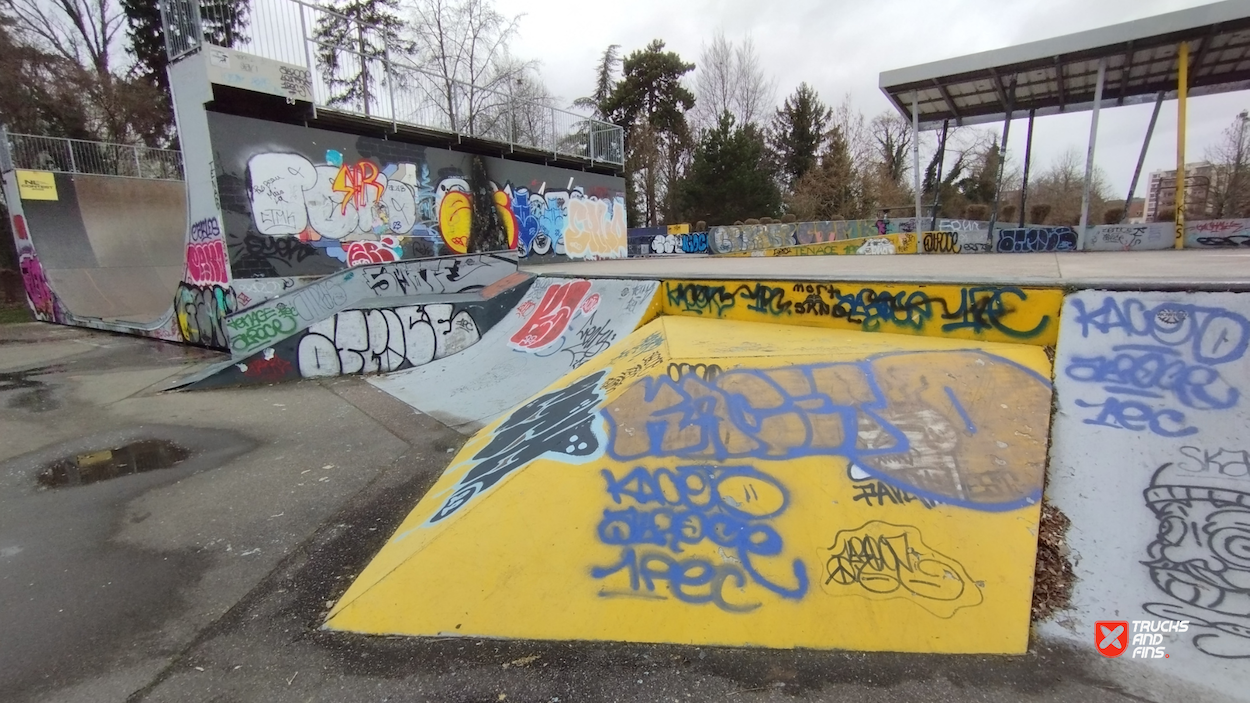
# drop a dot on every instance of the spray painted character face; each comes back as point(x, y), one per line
point(1201, 554)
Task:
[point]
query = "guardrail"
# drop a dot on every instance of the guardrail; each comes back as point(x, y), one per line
point(358, 69)
point(39, 153)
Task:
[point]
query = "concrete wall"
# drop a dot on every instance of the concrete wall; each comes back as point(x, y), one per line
point(973, 237)
point(1150, 462)
point(660, 241)
point(300, 201)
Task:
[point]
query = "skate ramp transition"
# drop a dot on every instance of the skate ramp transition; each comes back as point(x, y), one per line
point(111, 247)
point(366, 319)
point(704, 482)
point(560, 325)
point(843, 465)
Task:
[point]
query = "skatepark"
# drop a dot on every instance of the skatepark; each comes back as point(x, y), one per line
point(433, 399)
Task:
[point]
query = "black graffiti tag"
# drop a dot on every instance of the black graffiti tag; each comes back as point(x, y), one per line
point(560, 422)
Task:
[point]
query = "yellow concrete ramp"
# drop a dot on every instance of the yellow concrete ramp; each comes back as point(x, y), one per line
point(721, 483)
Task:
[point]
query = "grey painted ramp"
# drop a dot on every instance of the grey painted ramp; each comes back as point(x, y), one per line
point(112, 248)
point(559, 325)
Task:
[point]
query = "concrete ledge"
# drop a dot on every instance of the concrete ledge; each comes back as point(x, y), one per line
point(1157, 270)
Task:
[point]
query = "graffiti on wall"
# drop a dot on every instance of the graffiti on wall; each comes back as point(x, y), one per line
point(741, 238)
point(1151, 409)
point(691, 243)
point(201, 312)
point(880, 561)
point(1004, 313)
point(38, 291)
point(656, 517)
point(269, 321)
point(1155, 235)
point(1217, 234)
point(1199, 556)
point(558, 423)
point(206, 254)
point(934, 440)
point(1167, 362)
point(1035, 239)
point(384, 340)
point(358, 211)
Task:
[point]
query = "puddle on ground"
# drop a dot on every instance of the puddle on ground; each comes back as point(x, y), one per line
point(91, 467)
point(35, 396)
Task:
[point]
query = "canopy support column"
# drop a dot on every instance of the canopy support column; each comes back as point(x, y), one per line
point(915, 163)
point(1028, 156)
point(937, 178)
point(1141, 158)
point(1089, 153)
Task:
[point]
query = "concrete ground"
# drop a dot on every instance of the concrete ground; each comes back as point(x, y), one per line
point(208, 581)
point(1189, 269)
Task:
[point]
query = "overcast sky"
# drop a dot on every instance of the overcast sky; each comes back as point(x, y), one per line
point(840, 47)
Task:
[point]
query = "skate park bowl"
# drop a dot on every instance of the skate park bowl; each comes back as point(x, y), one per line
point(112, 247)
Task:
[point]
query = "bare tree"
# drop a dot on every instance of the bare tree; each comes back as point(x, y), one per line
point(1060, 187)
point(463, 44)
point(1229, 195)
point(80, 40)
point(892, 136)
point(81, 31)
point(730, 79)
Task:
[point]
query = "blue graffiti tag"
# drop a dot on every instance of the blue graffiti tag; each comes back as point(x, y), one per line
point(673, 509)
point(1148, 386)
point(886, 414)
point(1213, 335)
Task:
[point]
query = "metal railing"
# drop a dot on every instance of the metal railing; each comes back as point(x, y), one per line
point(31, 151)
point(357, 68)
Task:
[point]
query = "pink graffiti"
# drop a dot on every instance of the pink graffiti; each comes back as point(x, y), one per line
point(269, 368)
point(524, 308)
point(590, 303)
point(1219, 226)
point(380, 252)
point(548, 322)
point(206, 263)
point(37, 288)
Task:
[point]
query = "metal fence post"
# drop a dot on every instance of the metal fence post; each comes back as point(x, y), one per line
point(390, 84)
point(138, 168)
point(69, 146)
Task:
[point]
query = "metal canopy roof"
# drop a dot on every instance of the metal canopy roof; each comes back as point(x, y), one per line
point(1058, 75)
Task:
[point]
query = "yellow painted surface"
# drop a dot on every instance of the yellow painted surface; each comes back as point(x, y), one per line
point(983, 313)
point(36, 185)
point(902, 243)
point(679, 229)
point(693, 485)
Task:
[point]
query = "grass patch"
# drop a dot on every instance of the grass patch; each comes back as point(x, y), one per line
point(12, 314)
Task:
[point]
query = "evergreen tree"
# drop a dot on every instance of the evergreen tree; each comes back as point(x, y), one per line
point(353, 39)
point(798, 132)
point(650, 103)
point(729, 178)
point(224, 22)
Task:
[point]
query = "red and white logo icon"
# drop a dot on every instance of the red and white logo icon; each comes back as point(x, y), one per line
point(1111, 637)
